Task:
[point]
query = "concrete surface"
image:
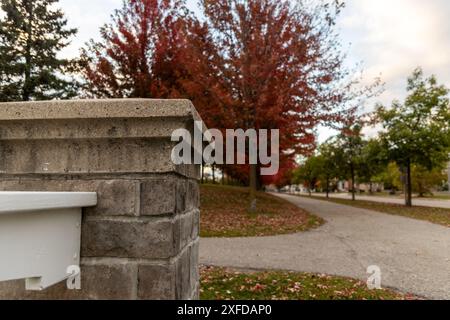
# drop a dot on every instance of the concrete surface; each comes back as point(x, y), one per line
point(98, 109)
point(414, 256)
point(433, 203)
point(141, 241)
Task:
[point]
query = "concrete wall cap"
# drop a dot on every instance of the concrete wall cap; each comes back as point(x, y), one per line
point(96, 109)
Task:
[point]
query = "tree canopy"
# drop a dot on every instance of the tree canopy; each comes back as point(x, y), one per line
point(140, 54)
point(32, 33)
point(246, 64)
point(417, 131)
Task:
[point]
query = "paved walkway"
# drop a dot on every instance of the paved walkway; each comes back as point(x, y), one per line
point(414, 255)
point(433, 203)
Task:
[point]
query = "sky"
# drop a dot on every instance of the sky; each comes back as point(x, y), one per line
point(390, 38)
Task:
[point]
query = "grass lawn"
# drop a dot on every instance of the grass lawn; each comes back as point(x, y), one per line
point(435, 215)
point(226, 284)
point(439, 197)
point(224, 213)
point(436, 196)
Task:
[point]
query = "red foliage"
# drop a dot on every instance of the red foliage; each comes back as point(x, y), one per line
point(269, 64)
point(284, 176)
point(140, 52)
point(263, 64)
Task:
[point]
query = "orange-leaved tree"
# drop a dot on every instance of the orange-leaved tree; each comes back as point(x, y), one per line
point(271, 64)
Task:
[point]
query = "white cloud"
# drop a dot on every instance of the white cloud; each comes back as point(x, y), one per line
point(87, 16)
point(392, 37)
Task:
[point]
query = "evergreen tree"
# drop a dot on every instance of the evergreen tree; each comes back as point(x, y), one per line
point(32, 32)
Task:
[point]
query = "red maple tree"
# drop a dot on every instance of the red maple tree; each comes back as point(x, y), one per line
point(249, 64)
point(270, 64)
point(139, 51)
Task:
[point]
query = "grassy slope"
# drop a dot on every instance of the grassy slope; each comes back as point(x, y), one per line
point(224, 213)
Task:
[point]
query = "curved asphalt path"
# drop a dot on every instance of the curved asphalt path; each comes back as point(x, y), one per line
point(414, 256)
point(432, 203)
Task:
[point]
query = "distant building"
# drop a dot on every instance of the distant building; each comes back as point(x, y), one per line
point(297, 188)
point(345, 186)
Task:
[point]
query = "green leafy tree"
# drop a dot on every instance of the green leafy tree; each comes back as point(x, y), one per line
point(330, 157)
point(350, 145)
point(417, 131)
point(309, 173)
point(424, 180)
point(32, 33)
point(390, 177)
point(373, 162)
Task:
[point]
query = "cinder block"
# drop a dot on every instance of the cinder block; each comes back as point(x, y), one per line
point(183, 276)
point(139, 239)
point(158, 197)
point(98, 282)
point(193, 195)
point(156, 282)
point(115, 197)
point(181, 196)
point(184, 229)
point(194, 263)
point(196, 224)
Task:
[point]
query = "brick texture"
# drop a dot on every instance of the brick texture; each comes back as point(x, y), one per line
point(141, 240)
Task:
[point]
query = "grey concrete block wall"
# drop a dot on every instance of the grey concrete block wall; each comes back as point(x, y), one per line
point(141, 240)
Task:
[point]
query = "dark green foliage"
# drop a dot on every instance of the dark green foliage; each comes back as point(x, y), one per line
point(373, 162)
point(350, 146)
point(330, 157)
point(309, 173)
point(32, 33)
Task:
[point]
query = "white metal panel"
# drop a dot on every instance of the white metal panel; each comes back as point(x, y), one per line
point(19, 202)
point(39, 246)
point(40, 235)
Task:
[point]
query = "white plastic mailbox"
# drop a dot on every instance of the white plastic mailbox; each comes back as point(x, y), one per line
point(40, 235)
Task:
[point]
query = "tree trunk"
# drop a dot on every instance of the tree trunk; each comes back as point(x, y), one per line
point(26, 94)
point(253, 186)
point(353, 183)
point(214, 174)
point(259, 186)
point(203, 173)
point(408, 185)
point(328, 188)
point(422, 191)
